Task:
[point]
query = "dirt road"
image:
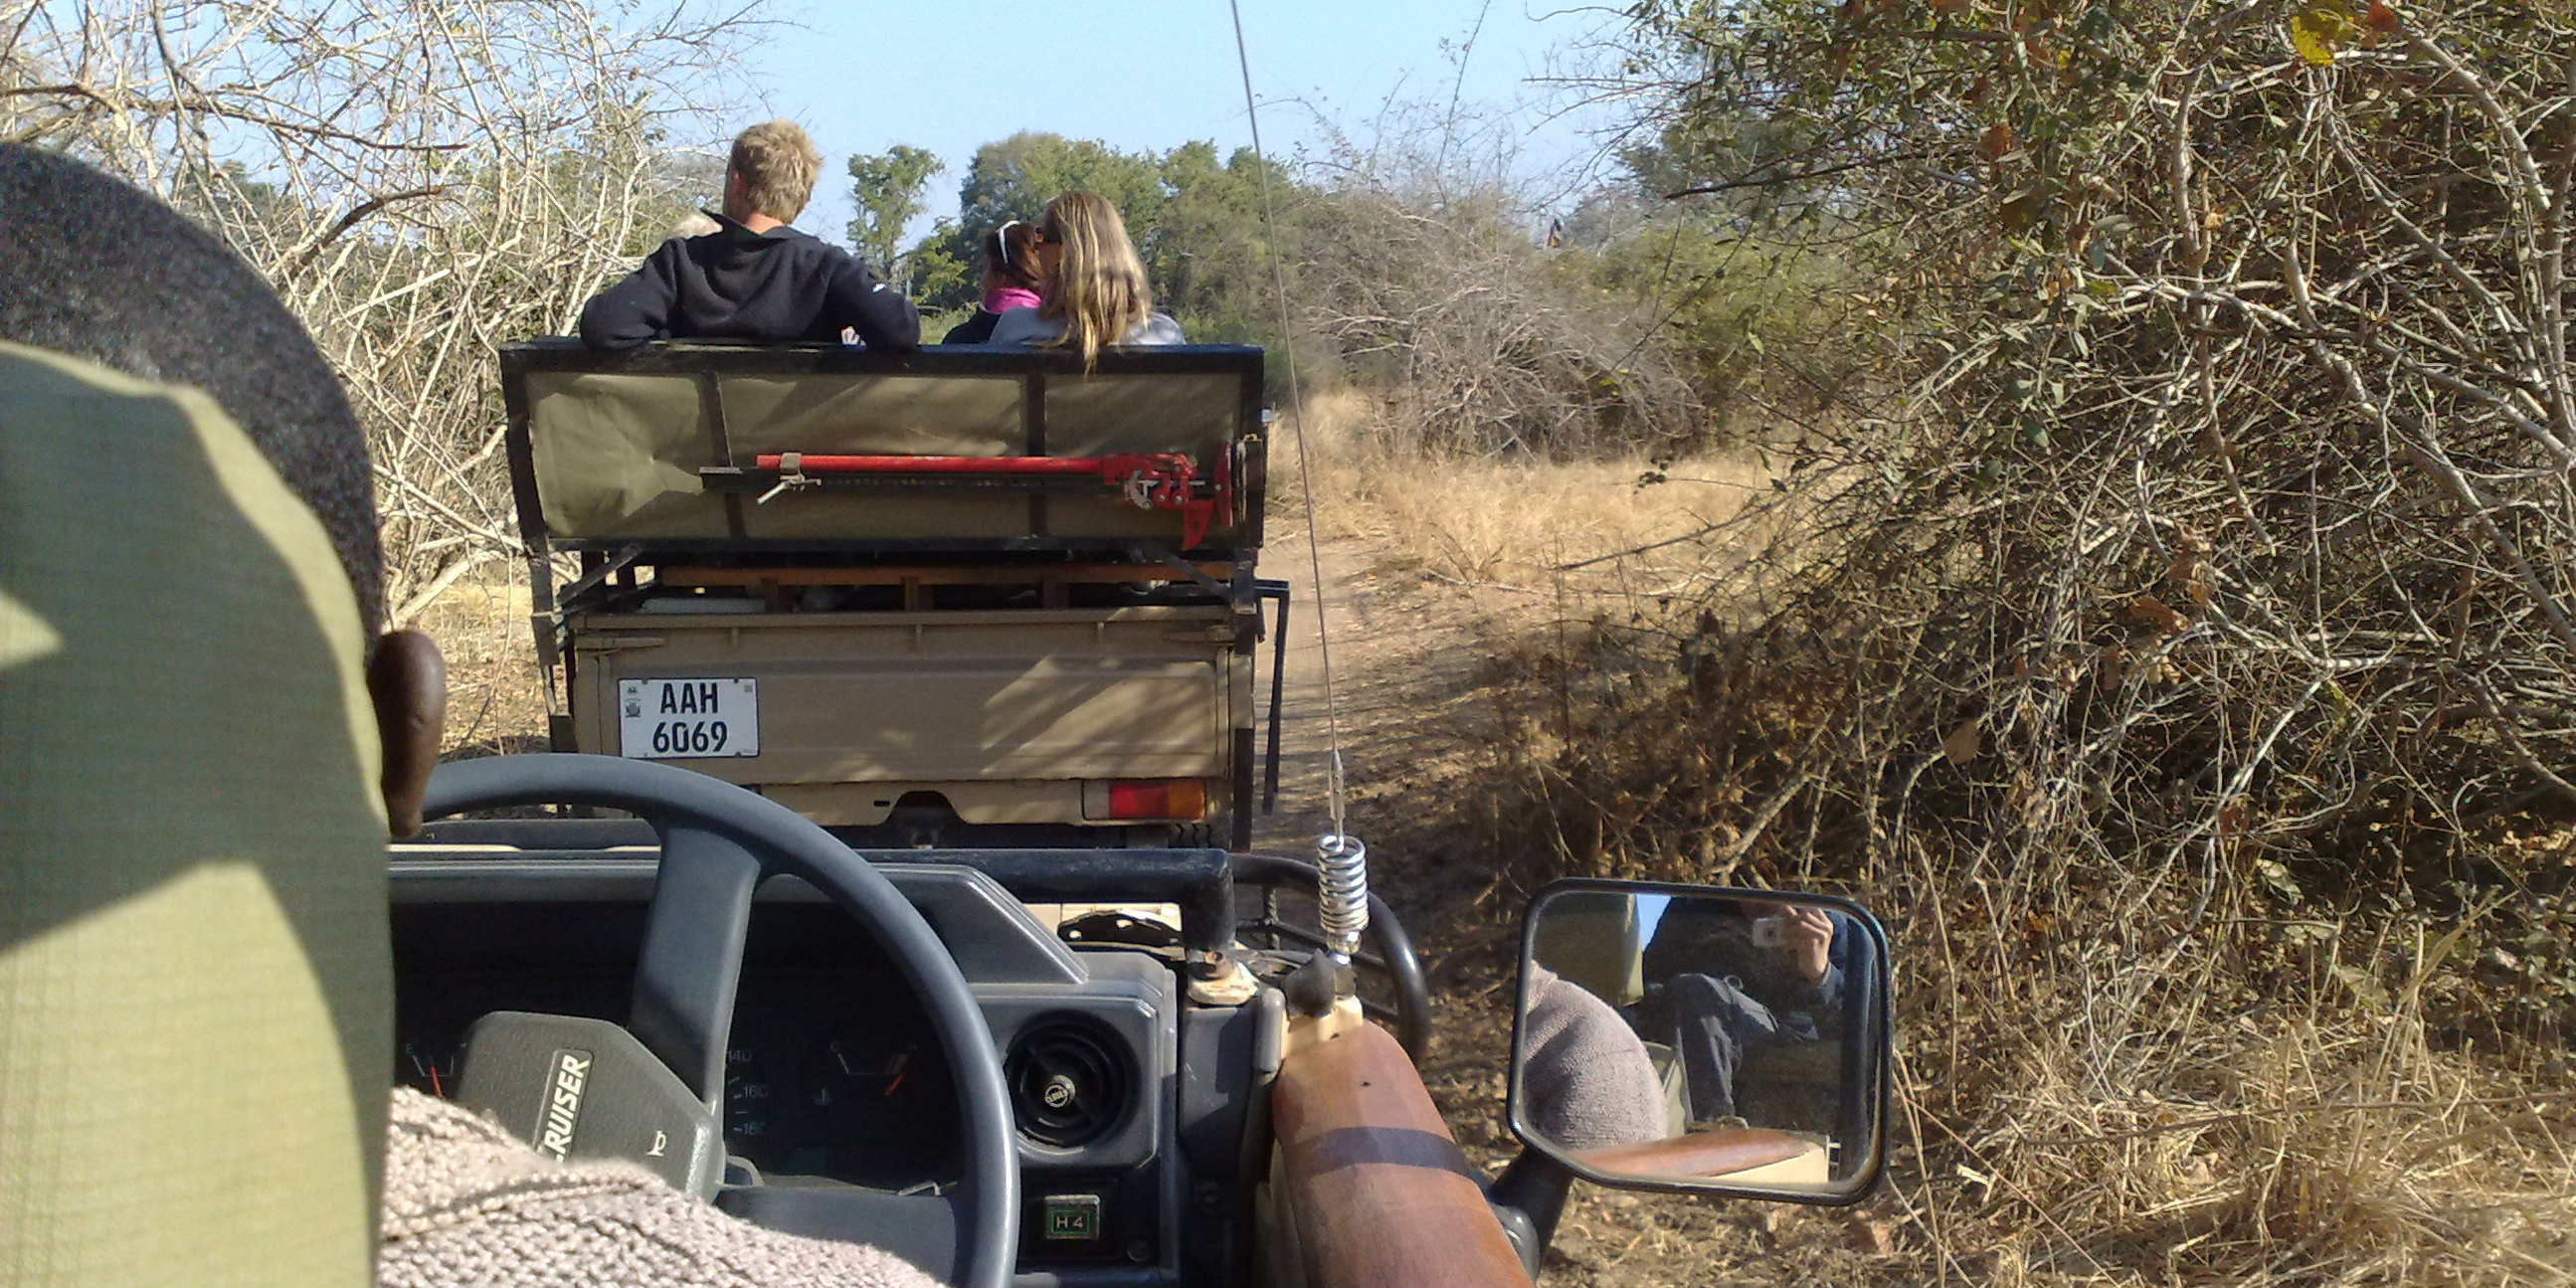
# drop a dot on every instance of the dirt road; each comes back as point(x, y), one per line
point(1342, 603)
point(1405, 655)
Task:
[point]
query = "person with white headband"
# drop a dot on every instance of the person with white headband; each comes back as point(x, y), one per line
point(1011, 281)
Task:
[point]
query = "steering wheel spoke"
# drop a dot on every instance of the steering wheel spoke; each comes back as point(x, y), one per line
point(692, 959)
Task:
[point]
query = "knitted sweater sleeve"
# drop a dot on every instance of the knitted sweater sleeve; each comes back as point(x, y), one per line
point(1584, 1073)
point(467, 1203)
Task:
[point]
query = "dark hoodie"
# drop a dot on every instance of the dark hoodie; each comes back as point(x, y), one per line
point(738, 284)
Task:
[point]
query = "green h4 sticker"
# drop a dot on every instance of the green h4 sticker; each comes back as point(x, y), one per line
point(1071, 1216)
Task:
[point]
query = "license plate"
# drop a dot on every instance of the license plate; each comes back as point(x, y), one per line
point(688, 719)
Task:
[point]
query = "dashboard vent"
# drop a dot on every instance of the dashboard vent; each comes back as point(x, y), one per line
point(1071, 1080)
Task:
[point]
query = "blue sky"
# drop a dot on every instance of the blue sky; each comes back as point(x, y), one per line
point(1152, 74)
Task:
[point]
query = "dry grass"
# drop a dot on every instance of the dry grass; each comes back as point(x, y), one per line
point(1511, 523)
point(2193, 715)
point(2082, 1116)
point(496, 695)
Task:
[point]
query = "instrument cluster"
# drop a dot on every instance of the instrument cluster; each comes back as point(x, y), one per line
point(831, 1070)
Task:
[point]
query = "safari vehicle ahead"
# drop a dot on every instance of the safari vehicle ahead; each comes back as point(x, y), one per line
point(1024, 1064)
point(964, 596)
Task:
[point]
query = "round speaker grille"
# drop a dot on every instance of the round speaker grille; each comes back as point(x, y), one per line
point(1071, 1080)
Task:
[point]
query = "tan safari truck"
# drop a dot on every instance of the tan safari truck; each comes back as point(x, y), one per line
point(956, 597)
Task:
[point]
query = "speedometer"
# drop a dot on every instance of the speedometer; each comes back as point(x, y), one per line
point(748, 1100)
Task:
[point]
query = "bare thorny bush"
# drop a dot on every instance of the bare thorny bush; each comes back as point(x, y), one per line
point(421, 182)
point(2180, 654)
point(1424, 280)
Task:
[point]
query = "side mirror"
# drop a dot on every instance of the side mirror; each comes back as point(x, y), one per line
point(1692, 1038)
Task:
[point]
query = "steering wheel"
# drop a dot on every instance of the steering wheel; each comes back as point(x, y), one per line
point(718, 842)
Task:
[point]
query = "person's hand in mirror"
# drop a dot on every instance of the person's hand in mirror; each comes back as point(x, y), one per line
point(1807, 934)
point(1803, 939)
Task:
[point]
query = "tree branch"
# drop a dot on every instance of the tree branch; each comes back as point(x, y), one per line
point(1817, 173)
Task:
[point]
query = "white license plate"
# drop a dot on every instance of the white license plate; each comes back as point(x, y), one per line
point(677, 719)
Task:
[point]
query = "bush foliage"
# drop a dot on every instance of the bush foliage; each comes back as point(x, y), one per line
point(2174, 639)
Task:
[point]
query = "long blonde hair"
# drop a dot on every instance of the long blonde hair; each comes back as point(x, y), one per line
point(1099, 293)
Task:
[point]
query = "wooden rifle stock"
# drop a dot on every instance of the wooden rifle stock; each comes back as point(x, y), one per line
point(1379, 1192)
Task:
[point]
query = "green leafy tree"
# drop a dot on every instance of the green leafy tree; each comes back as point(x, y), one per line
point(1196, 220)
point(887, 190)
point(1016, 177)
point(939, 276)
point(1209, 250)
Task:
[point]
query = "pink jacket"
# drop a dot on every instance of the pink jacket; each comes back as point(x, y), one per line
point(1009, 297)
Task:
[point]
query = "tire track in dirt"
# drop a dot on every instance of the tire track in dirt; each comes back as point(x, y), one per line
point(1342, 605)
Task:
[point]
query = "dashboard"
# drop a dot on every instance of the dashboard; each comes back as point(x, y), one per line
point(1136, 1109)
point(831, 1071)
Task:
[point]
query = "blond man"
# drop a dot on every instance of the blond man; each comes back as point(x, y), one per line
point(754, 277)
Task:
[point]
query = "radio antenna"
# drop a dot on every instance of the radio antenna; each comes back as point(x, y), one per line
point(1333, 781)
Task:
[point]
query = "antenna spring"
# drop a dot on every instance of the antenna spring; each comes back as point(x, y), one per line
point(1344, 896)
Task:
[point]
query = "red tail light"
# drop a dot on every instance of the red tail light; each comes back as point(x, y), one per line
point(1179, 798)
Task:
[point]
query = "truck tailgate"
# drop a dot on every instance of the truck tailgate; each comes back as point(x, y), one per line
point(881, 700)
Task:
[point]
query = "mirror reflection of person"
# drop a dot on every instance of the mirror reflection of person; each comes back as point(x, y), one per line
point(1589, 1088)
point(1731, 983)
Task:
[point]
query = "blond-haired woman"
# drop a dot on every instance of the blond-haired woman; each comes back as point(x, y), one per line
point(1095, 286)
